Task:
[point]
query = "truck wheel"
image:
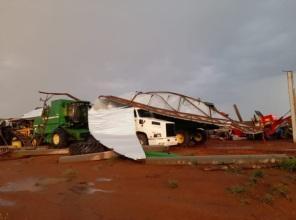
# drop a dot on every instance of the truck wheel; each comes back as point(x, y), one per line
point(59, 139)
point(143, 139)
point(199, 137)
point(183, 138)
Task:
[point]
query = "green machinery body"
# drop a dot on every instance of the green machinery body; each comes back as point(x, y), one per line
point(68, 115)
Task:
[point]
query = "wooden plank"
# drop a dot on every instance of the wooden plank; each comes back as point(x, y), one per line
point(218, 159)
point(38, 152)
point(156, 148)
point(88, 157)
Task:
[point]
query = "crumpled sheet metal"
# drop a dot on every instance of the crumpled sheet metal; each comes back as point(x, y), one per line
point(114, 127)
point(33, 114)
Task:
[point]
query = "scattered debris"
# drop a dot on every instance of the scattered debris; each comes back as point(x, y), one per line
point(273, 127)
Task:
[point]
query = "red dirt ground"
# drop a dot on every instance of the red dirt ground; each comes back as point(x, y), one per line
point(238, 147)
point(139, 191)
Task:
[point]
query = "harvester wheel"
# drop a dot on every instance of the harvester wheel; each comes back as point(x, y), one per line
point(143, 139)
point(183, 138)
point(59, 139)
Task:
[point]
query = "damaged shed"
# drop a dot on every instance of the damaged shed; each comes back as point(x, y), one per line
point(192, 117)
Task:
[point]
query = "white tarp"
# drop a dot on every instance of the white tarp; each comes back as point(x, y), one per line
point(115, 128)
point(33, 114)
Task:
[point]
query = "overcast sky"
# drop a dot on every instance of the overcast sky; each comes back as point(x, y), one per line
point(223, 51)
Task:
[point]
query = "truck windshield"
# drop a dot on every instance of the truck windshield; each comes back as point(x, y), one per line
point(145, 114)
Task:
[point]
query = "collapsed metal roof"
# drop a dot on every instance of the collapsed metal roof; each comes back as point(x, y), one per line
point(33, 114)
point(182, 107)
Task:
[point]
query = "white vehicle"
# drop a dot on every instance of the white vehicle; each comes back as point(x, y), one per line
point(152, 131)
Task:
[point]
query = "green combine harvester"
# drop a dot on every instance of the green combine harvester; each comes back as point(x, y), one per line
point(64, 123)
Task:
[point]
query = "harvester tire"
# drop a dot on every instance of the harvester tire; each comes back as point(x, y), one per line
point(59, 139)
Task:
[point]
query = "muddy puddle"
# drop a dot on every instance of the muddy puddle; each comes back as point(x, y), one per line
point(87, 188)
point(38, 184)
point(6, 203)
point(30, 184)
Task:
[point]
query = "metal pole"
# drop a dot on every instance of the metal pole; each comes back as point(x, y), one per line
point(237, 113)
point(292, 102)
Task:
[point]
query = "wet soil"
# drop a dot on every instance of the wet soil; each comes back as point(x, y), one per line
point(41, 188)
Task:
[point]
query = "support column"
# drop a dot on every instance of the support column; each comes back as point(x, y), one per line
point(292, 102)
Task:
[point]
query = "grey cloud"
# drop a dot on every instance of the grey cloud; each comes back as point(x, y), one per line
point(226, 51)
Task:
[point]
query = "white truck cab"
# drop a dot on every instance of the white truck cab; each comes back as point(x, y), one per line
point(152, 131)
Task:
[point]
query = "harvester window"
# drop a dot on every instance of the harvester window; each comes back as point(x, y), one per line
point(77, 112)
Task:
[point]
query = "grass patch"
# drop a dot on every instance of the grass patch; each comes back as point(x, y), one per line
point(289, 164)
point(173, 184)
point(70, 174)
point(235, 170)
point(255, 176)
point(237, 189)
point(292, 178)
point(279, 190)
point(267, 199)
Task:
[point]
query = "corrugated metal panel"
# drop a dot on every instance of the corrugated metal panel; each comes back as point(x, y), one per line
point(114, 127)
point(33, 114)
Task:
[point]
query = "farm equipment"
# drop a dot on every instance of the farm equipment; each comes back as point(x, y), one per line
point(22, 131)
point(65, 123)
point(273, 127)
point(16, 132)
point(5, 133)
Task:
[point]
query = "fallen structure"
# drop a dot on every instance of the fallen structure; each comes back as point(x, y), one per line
point(180, 106)
point(114, 121)
point(188, 113)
